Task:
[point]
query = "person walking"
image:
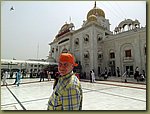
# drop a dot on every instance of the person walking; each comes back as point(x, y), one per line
point(118, 71)
point(18, 76)
point(136, 75)
point(11, 74)
point(15, 78)
point(143, 72)
point(49, 75)
point(93, 76)
point(5, 75)
point(67, 94)
point(42, 75)
point(128, 72)
point(124, 76)
point(105, 71)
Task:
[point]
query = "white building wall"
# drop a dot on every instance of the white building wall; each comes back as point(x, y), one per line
point(132, 39)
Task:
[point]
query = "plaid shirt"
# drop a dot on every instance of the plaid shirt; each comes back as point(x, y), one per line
point(67, 95)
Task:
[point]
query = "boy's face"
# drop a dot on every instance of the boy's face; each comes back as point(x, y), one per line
point(65, 68)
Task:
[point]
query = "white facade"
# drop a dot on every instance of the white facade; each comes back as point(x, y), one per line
point(96, 47)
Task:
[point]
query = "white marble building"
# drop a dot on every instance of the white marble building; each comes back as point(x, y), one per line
point(96, 47)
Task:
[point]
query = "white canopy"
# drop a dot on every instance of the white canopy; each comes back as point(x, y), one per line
point(26, 62)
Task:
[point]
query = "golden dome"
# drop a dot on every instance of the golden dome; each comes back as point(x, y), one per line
point(96, 11)
point(92, 18)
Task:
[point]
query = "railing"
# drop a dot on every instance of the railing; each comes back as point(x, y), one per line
point(128, 58)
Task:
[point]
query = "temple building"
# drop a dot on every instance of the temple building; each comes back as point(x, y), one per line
point(96, 47)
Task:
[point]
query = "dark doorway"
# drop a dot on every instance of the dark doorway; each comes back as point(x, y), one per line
point(130, 68)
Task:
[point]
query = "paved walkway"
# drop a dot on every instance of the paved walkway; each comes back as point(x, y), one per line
point(122, 79)
point(101, 95)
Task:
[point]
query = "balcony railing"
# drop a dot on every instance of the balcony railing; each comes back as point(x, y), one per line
point(128, 58)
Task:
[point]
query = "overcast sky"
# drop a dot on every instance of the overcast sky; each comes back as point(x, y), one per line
point(27, 30)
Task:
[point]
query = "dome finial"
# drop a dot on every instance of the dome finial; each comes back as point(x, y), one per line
point(96, 11)
point(95, 5)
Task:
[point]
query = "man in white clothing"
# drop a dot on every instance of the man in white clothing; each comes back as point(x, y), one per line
point(93, 76)
point(4, 77)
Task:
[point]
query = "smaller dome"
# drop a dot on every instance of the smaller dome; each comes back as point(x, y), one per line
point(64, 27)
point(92, 18)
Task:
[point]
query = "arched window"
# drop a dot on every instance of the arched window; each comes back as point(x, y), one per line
point(86, 55)
point(112, 54)
point(52, 50)
point(86, 38)
point(128, 53)
point(99, 37)
point(76, 41)
point(57, 48)
point(100, 55)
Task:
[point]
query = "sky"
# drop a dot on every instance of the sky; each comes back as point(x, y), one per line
point(27, 30)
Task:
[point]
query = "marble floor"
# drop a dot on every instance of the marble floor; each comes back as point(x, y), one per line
point(101, 95)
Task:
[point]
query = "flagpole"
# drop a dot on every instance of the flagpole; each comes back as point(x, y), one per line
point(70, 19)
point(38, 51)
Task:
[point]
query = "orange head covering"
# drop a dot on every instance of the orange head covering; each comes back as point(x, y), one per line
point(67, 57)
